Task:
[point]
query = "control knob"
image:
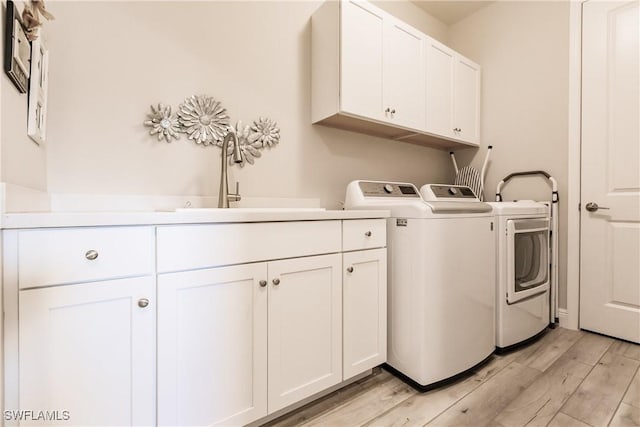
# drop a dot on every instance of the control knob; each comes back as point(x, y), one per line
point(453, 191)
point(388, 188)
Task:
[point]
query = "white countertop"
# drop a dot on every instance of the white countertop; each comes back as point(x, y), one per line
point(186, 216)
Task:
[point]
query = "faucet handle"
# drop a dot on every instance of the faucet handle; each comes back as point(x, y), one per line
point(235, 197)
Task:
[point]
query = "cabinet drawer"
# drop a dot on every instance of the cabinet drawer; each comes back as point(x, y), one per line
point(57, 256)
point(184, 247)
point(363, 234)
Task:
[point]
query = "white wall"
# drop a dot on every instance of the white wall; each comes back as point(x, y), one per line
point(416, 17)
point(523, 48)
point(111, 60)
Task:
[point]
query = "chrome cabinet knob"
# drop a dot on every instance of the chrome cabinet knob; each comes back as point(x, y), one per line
point(593, 207)
point(350, 269)
point(368, 234)
point(91, 255)
point(263, 283)
point(276, 281)
point(143, 302)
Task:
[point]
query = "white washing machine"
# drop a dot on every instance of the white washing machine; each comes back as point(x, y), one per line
point(441, 279)
point(523, 287)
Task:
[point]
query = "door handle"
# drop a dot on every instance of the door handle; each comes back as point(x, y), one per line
point(593, 207)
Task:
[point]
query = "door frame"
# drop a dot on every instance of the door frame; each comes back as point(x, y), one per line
point(569, 317)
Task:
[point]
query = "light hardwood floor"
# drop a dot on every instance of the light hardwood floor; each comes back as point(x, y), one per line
point(567, 378)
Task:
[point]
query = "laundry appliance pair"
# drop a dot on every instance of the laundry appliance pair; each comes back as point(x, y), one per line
point(445, 300)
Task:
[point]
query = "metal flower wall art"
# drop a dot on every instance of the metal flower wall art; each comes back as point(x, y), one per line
point(163, 123)
point(205, 121)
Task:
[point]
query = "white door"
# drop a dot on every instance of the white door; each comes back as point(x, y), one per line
point(610, 235)
point(212, 346)
point(89, 349)
point(466, 100)
point(439, 88)
point(403, 77)
point(361, 30)
point(364, 290)
point(305, 327)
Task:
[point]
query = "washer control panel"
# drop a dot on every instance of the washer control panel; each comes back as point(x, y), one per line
point(388, 189)
point(441, 192)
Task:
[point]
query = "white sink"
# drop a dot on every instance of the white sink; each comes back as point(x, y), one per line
point(249, 210)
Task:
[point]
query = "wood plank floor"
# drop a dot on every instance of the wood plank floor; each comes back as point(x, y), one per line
point(567, 378)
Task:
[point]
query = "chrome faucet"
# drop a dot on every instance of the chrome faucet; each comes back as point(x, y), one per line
point(224, 196)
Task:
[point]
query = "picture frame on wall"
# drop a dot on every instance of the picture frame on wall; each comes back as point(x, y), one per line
point(38, 92)
point(17, 49)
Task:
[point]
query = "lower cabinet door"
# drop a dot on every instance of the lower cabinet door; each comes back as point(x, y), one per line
point(305, 328)
point(212, 346)
point(87, 353)
point(365, 310)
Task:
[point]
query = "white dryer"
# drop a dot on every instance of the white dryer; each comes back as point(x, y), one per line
point(523, 287)
point(441, 279)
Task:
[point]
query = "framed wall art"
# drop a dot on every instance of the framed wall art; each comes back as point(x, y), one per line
point(38, 92)
point(17, 49)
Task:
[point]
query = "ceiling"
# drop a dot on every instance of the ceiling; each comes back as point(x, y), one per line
point(450, 11)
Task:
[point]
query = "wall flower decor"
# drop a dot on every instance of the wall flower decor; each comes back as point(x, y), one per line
point(265, 132)
point(204, 120)
point(163, 123)
point(249, 151)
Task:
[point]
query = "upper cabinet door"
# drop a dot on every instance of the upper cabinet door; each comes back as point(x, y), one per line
point(452, 94)
point(362, 29)
point(439, 88)
point(467, 99)
point(403, 75)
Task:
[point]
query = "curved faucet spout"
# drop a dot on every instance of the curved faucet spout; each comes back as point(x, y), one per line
point(224, 196)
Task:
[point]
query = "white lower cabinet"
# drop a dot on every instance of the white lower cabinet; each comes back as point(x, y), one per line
point(365, 310)
point(236, 343)
point(305, 328)
point(212, 346)
point(89, 349)
point(217, 346)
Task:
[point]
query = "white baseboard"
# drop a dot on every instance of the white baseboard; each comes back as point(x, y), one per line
point(563, 317)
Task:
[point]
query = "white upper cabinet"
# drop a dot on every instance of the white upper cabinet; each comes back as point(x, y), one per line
point(381, 64)
point(370, 74)
point(466, 100)
point(361, 60)
point(452, 94)
point(439, 88)
point(404, 75)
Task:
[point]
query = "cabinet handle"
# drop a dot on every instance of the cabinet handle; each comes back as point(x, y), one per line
point(91, 255)
point(276, 281)
point(143, 302)
point(263, 283)
point(368, 234)
point(350, 269)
